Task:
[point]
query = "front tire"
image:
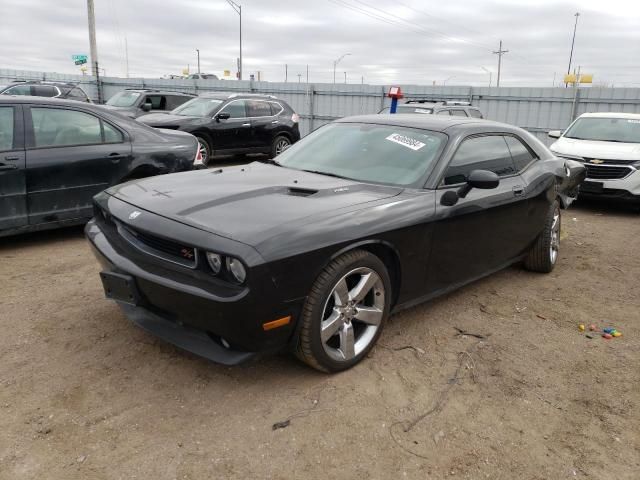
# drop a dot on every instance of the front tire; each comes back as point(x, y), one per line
point(345, 312)
point(279, 145)
point(544, 254)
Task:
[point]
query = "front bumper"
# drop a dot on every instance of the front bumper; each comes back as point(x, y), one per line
point(624, 189)
point(190, 310)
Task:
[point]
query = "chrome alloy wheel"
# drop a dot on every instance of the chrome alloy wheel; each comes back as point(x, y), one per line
point(282, 145)
point(554, 245)
point(352, 314)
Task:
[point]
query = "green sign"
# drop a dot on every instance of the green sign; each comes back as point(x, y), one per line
point(79, 59)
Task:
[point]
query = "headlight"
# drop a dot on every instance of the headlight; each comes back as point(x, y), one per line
point(215, 262)
point(235, 267)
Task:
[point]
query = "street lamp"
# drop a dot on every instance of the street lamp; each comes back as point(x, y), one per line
point(345, 77)
point(335, 64)
point(198, 52)
point(238, 10)
point(573, 41)
point(489, 72)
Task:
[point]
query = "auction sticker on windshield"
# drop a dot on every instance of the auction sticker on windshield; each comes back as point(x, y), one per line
point(405, 141)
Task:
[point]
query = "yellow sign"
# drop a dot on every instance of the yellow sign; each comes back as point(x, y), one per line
point(581, 78)
point(227, 73)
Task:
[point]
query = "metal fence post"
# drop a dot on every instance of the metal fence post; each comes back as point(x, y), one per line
point(576, 102)
point(312, 92)
point(384, 94)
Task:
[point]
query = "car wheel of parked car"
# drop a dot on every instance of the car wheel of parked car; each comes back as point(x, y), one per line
point(544, 253)
point(205, 150)
point(344, 313)
point(279, 145)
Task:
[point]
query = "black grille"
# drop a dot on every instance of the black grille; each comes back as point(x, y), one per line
point(167, 249)
point(606, 172)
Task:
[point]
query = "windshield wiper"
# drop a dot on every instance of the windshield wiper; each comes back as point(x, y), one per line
point(328, 174)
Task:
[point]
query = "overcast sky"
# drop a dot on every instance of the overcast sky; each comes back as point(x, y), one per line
point(407, 41)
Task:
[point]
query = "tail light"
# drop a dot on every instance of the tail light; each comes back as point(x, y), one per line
point(198, 159)
point(295, 118)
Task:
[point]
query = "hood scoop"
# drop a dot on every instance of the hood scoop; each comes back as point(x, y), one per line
point(300, 192)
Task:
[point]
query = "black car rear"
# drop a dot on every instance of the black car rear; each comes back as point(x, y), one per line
point(229, 124)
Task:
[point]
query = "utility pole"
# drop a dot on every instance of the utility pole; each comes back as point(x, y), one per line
point(299, 77)
point(126, 55)
point(307, 73)
point(573, 41)
point(345, 77)
point(238, 9)
point(198, 52)
point(92, 46)
point(286, 72)
point(500, 52)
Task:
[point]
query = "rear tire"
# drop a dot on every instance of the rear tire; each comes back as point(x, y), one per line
point(543, 256)
point(279, 145)
point(344, 313)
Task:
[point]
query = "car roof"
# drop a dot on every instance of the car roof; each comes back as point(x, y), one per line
point(229, 95)
point(40, 100)
point(428, 122)
point(158, 90)
point(635, 116)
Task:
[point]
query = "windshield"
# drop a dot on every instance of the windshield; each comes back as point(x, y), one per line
point(625, 130)
point(124, 99)
point(408, 109)
point(198, 107)
point(366, 152)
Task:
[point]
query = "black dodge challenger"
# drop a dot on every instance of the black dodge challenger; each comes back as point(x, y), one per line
point(362, 218)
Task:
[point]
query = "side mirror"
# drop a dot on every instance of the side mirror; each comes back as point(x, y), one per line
point(223, 116)
point(146, 107)
point(482, 179)
point(555, 133)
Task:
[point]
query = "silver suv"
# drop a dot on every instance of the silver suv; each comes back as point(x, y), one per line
point(438, 107)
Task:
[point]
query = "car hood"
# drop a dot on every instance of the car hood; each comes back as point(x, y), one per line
point(166, 119)
point(249, 203)
point(596, 149)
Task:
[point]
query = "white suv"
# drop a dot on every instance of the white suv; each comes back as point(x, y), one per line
point(609, 146)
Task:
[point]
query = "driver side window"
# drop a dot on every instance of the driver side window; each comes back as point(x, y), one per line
point(488, 152)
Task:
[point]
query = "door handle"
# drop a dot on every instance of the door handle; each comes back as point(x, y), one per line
point(275, 121)
point(116, 157)
point(12, 159)
point(246, 124)
point(518, 190)
point(4, 166)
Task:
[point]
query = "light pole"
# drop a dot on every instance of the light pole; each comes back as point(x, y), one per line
point(489, 72)
point(335, 64)
point(238, 9)
point(573, 41)
point(198, 52)
point(345, 77)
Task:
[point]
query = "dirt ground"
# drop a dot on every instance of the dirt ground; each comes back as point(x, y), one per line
point(86, 395)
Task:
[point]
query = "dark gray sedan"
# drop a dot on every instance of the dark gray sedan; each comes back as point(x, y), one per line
point(55, 155)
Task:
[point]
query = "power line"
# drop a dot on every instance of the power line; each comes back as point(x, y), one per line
point(415, 28)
